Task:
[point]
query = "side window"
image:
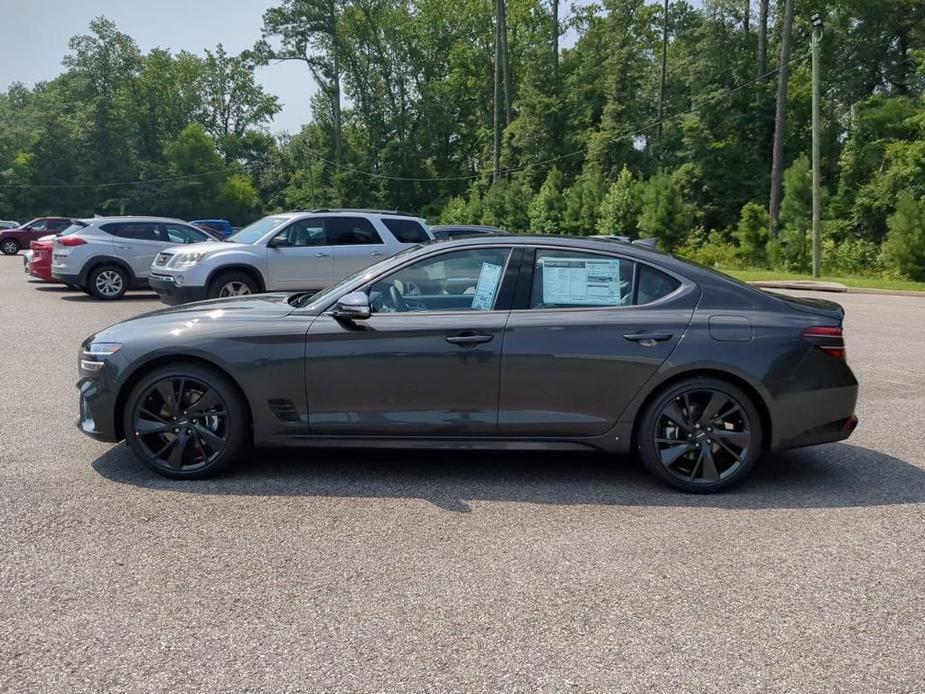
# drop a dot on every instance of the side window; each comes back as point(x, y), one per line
point(570, 279)
point(57, 224)
point(176, 233)
point(39, 225)
point(653, 285)
point(406, 230)
point(137, 231)
point(351, 231)
point(305, 232)
point(466, 280)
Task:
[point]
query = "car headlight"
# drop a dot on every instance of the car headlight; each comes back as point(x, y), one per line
point(189, 258)
point(102, 349)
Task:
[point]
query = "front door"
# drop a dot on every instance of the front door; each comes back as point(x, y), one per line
point(583, 340)
point(300, 257)
point(426, 363)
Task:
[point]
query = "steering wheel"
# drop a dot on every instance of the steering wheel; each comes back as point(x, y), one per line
point(398, 301)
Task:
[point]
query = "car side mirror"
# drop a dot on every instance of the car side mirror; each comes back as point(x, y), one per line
point(352, 306)
point(278, 242)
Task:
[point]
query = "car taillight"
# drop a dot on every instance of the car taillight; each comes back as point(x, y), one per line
point(828, 338)
point(71, 241)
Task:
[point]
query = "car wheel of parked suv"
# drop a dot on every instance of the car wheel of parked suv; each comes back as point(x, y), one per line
point(186, 421)
point(107, 282)
point(232, 284)
point(10, 247)
point(701, 435)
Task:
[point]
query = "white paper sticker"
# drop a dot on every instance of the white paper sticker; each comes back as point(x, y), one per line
point(484, 297)
point(589, 282)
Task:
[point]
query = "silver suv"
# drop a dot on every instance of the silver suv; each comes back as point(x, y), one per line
point(287, 251)
point(113, 254)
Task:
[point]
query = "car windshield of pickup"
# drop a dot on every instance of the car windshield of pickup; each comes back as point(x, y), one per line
point(253, 233)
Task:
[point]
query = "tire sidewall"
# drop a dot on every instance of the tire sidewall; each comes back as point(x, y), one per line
point(646, 432)
point(238, 418)
point(91, 282)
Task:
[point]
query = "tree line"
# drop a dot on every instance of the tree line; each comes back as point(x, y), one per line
point(611, 117)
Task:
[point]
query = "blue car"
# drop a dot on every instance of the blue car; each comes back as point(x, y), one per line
point(222, 227)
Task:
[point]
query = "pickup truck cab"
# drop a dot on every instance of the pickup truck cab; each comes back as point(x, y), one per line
point(289, 251)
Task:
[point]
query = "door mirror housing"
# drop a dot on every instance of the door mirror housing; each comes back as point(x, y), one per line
point(278, 242)
point(352, 306)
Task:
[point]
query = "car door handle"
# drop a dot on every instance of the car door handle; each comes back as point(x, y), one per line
point(124, 248)
point(648, 338)
point(376, 254)
point(322, 255)
point(469, 340)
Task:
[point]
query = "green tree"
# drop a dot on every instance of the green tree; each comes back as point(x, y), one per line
point(664, 214)
point(796, 215)
point(753, 234)
point(583, 200)
point(621, 207)
point(547, 209)
point(904, 248)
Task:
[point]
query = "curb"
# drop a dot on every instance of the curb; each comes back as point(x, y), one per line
point(835, 287)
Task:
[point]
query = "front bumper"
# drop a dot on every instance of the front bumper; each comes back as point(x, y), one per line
point(96, 410)
point(171, 294)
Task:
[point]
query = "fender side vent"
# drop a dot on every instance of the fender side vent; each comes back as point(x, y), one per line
point(284, 410)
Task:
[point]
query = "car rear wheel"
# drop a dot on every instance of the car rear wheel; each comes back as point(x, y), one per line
point(186, 421)
point(9, 247)
point(232, 284)
point(700, 435)
point(108, 282)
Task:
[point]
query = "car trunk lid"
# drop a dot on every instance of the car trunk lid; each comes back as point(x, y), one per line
point(818, 307)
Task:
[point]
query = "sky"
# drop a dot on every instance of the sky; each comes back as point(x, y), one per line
point(34, 35)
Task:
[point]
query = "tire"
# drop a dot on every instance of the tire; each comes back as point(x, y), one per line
point(232, 284)
point(169, 439)
point(107, 282)
point(700, 435)
point(9, 247)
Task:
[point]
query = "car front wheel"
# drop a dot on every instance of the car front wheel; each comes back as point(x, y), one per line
point(9, 247)
point(186, 421)
point(700, 435)
point(232, 284)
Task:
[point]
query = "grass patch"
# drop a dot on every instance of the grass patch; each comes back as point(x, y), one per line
point(861, 282)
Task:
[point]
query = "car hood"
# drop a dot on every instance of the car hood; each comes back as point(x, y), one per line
point(206, 246)
point(212, 312)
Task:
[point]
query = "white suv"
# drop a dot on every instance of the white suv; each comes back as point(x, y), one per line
point(287, 251)
point(113, 254)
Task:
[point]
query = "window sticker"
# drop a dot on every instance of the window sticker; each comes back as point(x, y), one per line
point(592, 281)
point(489, 278)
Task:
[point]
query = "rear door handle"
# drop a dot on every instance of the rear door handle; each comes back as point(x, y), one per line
point(322, 255)
point(124, 248)
point(376, 254)
point(469, 340)
point(647, 338)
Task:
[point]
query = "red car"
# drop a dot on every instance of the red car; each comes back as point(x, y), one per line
point(39, 260)
point(12, 240)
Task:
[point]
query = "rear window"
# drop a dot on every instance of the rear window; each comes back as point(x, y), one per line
point(350, 231)
point(406, 230)
point(137, 231)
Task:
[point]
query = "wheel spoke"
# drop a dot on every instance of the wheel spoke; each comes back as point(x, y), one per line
point(669, 456)
point(717, 402)
point(710, 473)
point(165, 389)
point(204, 403)
point(673, 412)
point(736, 438)
point(179, 395)
point(212, 440)
point(153, 415)
point(202, 450)
point(175, 459)
point(147, 426)
point(737, 456)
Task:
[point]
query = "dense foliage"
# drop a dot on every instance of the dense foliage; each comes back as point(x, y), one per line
point(403, 118)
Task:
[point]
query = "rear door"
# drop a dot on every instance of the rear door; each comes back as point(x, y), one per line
point(587, 331)
point(300, 257)
point(137, 243)
point(356, 244)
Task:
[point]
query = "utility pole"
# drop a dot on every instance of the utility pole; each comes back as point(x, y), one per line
point(817, 232)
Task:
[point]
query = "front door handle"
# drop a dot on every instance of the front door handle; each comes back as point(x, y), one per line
point(322, 255)
point(375, 254)
point(124, 248)
point(647, 339)
point(469, 340)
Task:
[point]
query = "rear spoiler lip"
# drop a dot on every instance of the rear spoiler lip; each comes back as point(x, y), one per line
point(815, 307)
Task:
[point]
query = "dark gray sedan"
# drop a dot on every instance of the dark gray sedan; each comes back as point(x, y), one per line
point(494, 342)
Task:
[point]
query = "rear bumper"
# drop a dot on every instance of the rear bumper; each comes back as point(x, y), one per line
point(172, 295)
point(76, 280)
point(41, 271)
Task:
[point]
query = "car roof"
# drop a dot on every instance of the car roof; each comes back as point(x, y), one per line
point(467, 227)
point(130, 218)
point(347, 211)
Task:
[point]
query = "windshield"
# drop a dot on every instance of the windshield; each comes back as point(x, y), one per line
point(370, 272)
point(256, 231)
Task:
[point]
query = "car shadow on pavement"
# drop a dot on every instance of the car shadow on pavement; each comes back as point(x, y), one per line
point(145, 296)
point(831, 476)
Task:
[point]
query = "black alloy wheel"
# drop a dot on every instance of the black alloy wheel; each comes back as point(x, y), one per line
point(185, 422)
point(701, 436)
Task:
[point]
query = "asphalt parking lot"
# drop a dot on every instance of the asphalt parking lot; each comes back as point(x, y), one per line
point(390, 571)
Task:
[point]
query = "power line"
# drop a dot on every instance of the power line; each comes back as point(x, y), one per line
point(164, 179)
